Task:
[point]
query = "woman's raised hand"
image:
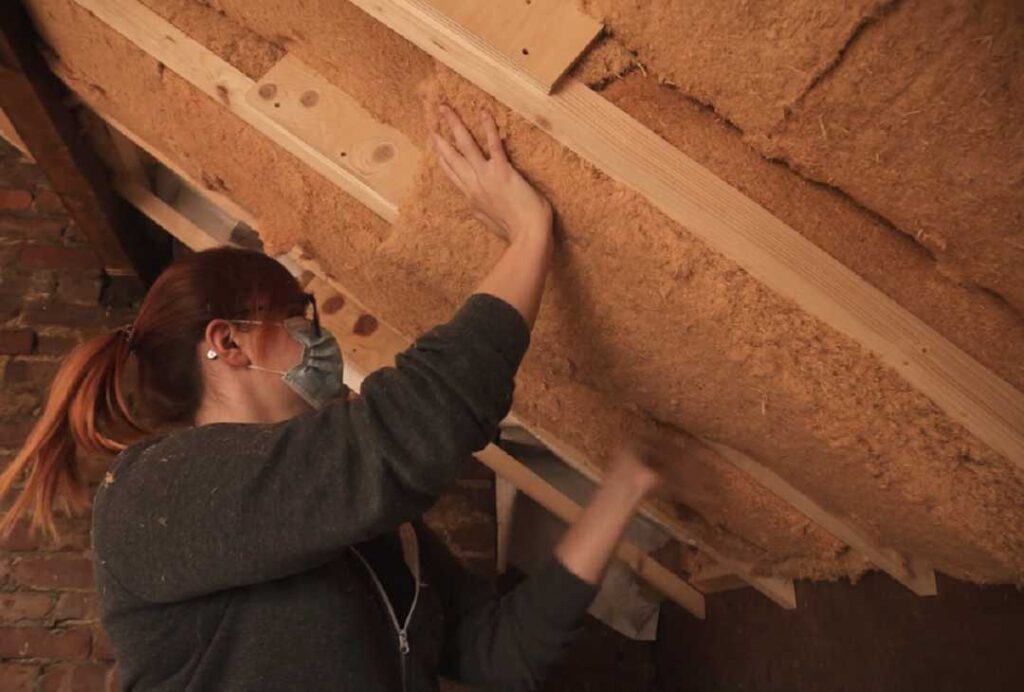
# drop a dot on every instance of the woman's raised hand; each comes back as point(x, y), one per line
point(500, 196)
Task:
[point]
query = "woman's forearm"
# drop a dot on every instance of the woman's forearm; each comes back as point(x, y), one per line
point(518, 277)
point(589, 544)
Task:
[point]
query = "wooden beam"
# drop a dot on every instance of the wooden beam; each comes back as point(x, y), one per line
point(221, 81)
point(913, 574)
point(542, 38)
point(178, 52)
point(729, 222)
point(8, 132)
point(335, 126)
point(33, 101)
point(365, 352)
point(504, 506)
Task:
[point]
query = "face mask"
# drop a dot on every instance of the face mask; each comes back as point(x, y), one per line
point(317, 377)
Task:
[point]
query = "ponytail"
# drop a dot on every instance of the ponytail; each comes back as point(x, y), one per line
point(87, 410)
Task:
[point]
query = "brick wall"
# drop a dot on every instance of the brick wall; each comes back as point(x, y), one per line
point(51, 285)
point(53, 294)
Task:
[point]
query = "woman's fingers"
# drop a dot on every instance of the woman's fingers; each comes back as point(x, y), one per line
point(452, 175)
point(463, 139)
point(495, 147)
point(453, 159)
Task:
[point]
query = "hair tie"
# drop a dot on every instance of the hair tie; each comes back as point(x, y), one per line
point(128, 332)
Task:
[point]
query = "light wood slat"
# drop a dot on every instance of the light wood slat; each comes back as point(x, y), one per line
point(365, 353)
point(542, 38)
point(913, 574)
point(777, 589)
point(8, 132)
point(334, 124)
point(222, 82)
point(176, 51)
point(729, 222)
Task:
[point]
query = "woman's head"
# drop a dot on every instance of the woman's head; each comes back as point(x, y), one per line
point(226, 303)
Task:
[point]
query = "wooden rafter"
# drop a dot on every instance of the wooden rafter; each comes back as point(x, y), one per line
point(32, 99)
point(730, 222)
point(293, 125)
point(360, 361)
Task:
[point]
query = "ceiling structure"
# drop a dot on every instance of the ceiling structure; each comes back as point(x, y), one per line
point(850, 397)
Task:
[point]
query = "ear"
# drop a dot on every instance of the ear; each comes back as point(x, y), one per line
point(220, 337)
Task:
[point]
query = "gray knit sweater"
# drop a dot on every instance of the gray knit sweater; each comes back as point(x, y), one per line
point(225, 555)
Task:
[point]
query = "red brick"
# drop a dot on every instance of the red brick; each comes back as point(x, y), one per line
point(48, 312)
point(57, 257)
point(15, 199)
point(55, 571)
point(19, 403)
point(25, 605)
point(48, 202)
point(21, 538)
point(18, 677)
point(81, 287)
point(17, 282)
point(75, 677)
point(10, 307)
point(101, 648)
point(14, 432)
point(30, 370)
point(41, 642)
point(17, 341)
point(54, 345)
point(31, 228)
point(76, 606)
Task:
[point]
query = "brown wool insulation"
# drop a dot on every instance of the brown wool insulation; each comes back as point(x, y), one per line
point(641, 323)
point(914, 108)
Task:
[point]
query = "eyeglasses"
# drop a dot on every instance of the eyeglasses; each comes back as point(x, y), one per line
point(309, 311)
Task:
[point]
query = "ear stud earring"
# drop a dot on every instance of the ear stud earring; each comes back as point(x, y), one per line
point(211, 355)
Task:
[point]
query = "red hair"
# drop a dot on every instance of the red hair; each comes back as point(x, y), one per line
point(88, 407)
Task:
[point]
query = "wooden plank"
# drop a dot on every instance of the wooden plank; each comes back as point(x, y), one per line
point(504, 507)
point(33, 101)
point(221, 81)
point(8, 132)
point(335, 125)
point(915, 575)
point(177, 52)
point(729, 222)
point(542, 38)
point(777, 589)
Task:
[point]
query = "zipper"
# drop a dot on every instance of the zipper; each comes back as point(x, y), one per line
point(402, 630)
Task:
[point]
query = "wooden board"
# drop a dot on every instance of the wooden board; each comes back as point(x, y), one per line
point(345, 322)
point(181, 54)
point(731, 223)
point(32, 100)
point(8, 132)
point(913, 574)
point(542, 38)
point(221, 81)
point(336, 126)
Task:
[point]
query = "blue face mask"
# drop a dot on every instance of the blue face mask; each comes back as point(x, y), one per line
point(317, 377)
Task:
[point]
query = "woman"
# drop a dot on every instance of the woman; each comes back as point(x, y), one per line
point(259, 538)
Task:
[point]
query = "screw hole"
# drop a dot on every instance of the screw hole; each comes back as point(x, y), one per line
point(277, 105)
point(344, 154)
point(526, 51)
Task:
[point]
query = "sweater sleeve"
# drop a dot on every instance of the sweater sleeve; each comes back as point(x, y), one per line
point(508, 642)
point(226, 505)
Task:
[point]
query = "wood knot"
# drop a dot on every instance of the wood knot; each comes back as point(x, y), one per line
point(267, 91)
point(383, 152)
point(309, 98)
point(365, 325)
point(542, 122)
point(333, 304)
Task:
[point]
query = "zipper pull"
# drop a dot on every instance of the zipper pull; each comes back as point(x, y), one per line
point(403, 642)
